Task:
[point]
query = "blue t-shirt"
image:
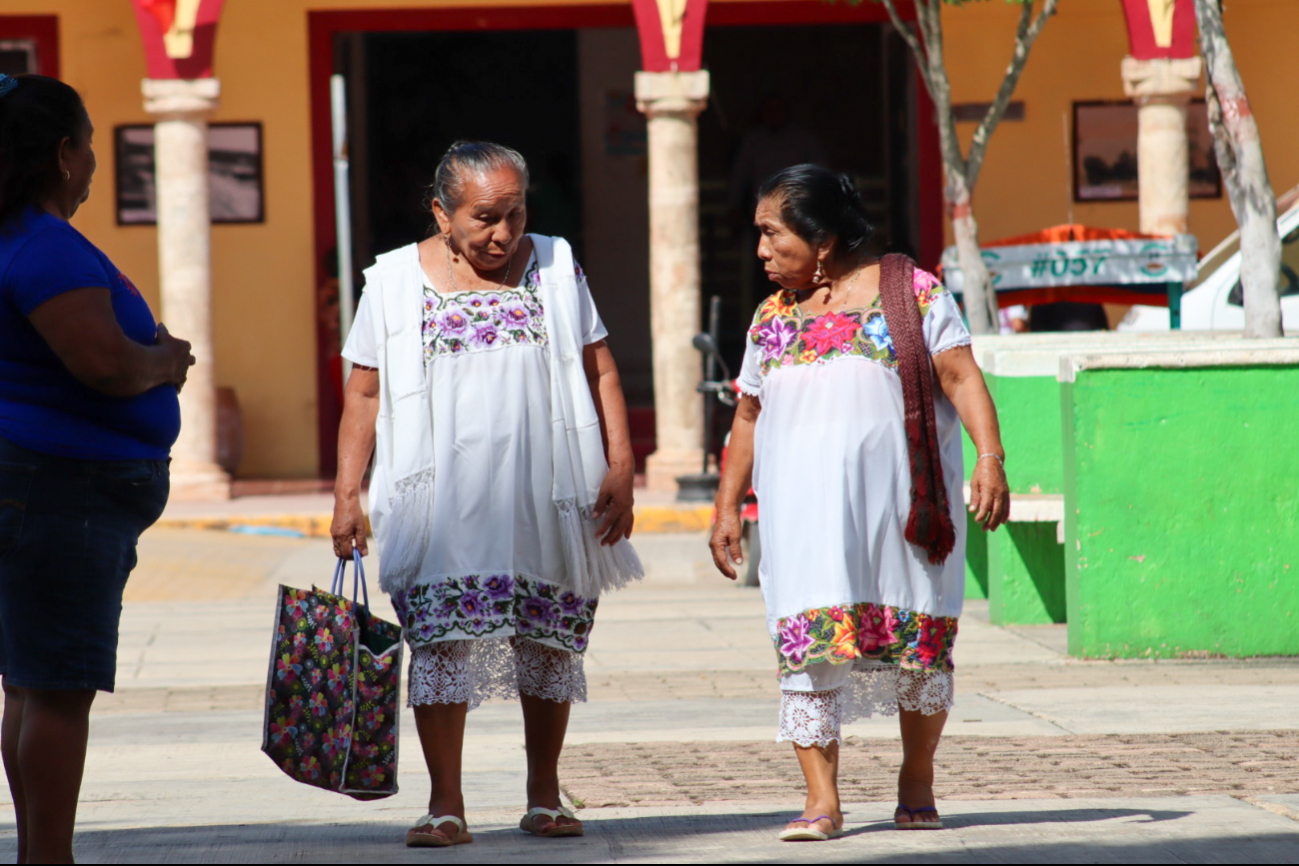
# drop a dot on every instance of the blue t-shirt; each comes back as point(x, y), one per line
point(43, 406)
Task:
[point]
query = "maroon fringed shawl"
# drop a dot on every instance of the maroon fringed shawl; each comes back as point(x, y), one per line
point(930, 524)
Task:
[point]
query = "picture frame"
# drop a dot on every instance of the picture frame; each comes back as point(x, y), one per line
point(236, 182)
point(1105, 152)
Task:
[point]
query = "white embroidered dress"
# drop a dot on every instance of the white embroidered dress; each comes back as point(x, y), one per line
point(860, 618)
point(489, 615)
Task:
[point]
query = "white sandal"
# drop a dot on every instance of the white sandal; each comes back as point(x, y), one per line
point(425, 839)
point(810, 833)
point(528, 823)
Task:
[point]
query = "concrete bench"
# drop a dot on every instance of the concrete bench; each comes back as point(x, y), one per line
point(1025, 560)
point(1182, 515)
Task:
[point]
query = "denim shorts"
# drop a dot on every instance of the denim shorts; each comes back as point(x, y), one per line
point(68, 531)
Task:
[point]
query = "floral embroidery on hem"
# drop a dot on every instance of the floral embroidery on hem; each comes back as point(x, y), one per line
point(496, 605)
point(874, 632)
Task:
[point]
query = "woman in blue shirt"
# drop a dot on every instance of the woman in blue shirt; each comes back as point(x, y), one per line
point(88, 415)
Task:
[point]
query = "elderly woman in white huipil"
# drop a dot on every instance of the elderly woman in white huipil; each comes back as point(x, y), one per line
point(857, 379)
point(483, 385)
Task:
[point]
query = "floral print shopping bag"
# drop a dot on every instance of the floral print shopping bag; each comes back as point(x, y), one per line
point(333, 690)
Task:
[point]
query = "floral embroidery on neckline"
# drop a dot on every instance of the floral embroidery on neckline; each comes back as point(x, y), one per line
point(787, 336)
point(482, 321)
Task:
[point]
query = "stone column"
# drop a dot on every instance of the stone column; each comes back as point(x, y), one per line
point(185, 271)
point(1162, 89)
point(672, 101)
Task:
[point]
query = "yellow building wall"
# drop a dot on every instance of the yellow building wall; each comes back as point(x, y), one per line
point(264, 275)
point(1025, 181)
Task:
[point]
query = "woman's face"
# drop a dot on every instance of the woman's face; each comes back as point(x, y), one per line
point(788, 260)
point(487, 226)
point(77, 159)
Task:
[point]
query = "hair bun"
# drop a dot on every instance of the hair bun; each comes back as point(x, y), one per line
point(851, 194)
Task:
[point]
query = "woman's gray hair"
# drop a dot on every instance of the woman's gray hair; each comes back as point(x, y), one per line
point(478, 157)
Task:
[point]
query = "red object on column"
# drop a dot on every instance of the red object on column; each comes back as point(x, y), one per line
point(156, 17)
point(1142, 42)
point(653, 42)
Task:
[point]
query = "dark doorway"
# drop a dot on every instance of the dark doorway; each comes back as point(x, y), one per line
point(842, 96)
point(414, 94)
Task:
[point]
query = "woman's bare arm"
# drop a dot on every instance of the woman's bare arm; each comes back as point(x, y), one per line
point(613, 505)
point(82, 330)
point(737, 477)
point(962, 382)
point(355, 445)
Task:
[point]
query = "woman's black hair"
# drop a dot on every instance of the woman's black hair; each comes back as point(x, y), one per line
point(820, 206)
point(36, 114)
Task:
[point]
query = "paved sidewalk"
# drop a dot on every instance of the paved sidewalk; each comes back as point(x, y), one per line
point(1046, 758)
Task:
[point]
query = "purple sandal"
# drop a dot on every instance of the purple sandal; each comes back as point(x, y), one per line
point(915, 823)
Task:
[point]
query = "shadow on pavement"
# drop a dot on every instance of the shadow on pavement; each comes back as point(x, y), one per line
point(742, 837)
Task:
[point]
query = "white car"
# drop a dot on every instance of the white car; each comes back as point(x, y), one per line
point(1215, 303)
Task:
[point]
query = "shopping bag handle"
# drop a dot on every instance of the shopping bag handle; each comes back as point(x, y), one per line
point(358, 579)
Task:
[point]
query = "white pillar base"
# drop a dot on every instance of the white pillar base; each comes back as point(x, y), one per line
point(198, 482)
point(662, 468)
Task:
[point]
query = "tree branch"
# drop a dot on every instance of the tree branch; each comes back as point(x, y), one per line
point(1025, 35)
point(917, 50)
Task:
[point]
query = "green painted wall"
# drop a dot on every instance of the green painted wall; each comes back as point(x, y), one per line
point(1026, 583)
point(1028, 408)
point(1182, 525)
point(976, 559)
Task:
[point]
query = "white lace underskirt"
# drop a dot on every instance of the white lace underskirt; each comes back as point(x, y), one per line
point(472, 671)
point(815, 718)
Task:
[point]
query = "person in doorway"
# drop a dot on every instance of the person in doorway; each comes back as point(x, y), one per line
point(482, 377)
point(855, 457)
point(88, 415)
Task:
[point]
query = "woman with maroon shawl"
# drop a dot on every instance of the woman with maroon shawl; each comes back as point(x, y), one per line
point(857, 379)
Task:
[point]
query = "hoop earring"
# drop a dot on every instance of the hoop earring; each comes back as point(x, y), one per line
point(67, 175)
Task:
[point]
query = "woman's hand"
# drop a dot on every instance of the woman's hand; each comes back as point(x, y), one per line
point(348, 527)
point(613, 506)
point(725, 543)
point(989, 494)
point(177, 355)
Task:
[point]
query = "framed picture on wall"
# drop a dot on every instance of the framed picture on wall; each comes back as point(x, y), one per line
point(1105, 152)
point(235, 182)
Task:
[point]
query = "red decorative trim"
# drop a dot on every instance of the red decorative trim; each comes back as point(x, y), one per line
point(43, 30)
point(725, 13)
point(653, 50)
point(1155, 295)
point(199, 63)
point(929, 180)
point(1141, 30)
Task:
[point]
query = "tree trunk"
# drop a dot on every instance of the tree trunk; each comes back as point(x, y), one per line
point(1240, 158)
point(980, 306)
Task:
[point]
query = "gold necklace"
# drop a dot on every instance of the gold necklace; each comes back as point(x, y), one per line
point(509, 269)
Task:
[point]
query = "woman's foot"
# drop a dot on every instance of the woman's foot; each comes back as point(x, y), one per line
point(814, 826)
point(920, 818)
point(916, 809)
point(438, 831)
point(551, 823)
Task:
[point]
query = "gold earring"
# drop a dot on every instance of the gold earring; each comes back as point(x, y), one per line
point(819, 276)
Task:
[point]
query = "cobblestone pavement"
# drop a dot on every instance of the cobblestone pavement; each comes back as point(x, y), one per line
point(1242, 764)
